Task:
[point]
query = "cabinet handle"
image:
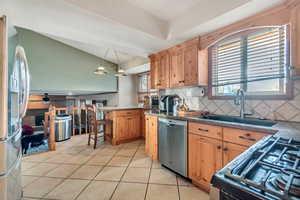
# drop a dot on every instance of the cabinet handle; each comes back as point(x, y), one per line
point(250, 139)
point(129, 118)
point(201, 129)
point(218, 147)
point(181, 81)
point(225, 149)
point(248, 134)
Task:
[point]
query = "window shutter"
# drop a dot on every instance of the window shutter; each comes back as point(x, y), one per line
point(258, 56)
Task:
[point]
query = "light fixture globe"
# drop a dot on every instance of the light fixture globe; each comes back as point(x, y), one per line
point(100, 71)
point(121, 72)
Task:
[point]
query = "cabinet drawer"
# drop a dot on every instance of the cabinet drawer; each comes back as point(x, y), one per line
point(206, 130)
point(122, 113)
point(242, 137)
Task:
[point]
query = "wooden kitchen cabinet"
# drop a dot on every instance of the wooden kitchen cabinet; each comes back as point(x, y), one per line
point(191, 65)
point(121, 128)
point(242, 137)
point(160, 70)
point(154, 73)
point(231, 151)
point(177, 68)
point(151, 137)
point(205, 158)
point(212, 147)
point(181, 65)
point(126, 125)
point(164, 71)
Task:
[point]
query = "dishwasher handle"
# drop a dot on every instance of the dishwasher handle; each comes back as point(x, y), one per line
point(171, 125)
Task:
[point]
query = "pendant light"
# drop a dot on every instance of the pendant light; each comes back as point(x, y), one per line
point(121, 72)
point(101, 69)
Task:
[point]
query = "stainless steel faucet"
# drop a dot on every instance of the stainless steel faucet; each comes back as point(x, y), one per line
point(240, 100)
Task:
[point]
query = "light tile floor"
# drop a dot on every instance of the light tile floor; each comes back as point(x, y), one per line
point(123, 172)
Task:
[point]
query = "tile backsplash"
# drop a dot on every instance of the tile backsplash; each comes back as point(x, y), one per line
point(271, 109)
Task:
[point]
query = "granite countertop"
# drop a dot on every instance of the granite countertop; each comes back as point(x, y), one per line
point(112, 108)
point(281, 128)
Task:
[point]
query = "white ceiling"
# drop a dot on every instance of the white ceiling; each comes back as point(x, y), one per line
point(165, 9)
point(133, 28)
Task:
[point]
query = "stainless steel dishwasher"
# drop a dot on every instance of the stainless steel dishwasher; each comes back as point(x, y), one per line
point(173, 145)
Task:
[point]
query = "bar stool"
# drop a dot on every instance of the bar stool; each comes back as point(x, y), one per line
point(93, 124)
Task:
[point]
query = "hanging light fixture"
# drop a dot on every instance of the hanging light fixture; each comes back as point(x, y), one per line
point(101, 69)
point(121, 72)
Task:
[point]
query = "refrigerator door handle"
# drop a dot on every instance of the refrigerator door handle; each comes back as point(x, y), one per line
point(25, 80)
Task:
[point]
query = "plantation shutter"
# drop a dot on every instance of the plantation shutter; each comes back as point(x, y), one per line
point(255, 57)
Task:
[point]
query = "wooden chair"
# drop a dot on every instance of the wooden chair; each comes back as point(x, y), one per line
point(93, 125)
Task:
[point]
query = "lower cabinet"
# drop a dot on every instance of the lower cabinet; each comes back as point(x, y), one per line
point(205, 158)
point(151, 136)
point(231, 151)
point(127, 127)
point(213, 147)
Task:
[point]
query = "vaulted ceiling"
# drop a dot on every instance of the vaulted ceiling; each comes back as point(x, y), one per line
point(131, 28)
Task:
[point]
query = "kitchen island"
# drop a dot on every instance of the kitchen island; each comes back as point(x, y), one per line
point(123, 124)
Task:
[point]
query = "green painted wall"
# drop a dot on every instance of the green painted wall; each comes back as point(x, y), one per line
point(55, 66)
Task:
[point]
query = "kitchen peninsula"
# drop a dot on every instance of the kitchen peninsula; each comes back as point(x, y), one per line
point(123, 124)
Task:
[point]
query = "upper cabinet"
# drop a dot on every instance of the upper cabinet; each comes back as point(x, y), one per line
point(160, 70)
point(182, 65)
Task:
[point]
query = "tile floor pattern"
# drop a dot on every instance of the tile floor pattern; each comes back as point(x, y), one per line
point(123, 172)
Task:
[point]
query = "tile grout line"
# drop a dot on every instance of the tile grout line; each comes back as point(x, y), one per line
point(85, 164)
point(178, 187)
point(64, 179)
point(124, 172)
point(148, 179)
point(92, 180)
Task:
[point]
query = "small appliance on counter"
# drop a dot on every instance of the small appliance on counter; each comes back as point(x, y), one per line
point(270, 170)
point(154, 103)
point(167, 103)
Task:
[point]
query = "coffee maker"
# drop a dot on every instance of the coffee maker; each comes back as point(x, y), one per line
point(167, 103)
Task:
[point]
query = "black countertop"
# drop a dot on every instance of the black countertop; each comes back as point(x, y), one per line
point(283, 129)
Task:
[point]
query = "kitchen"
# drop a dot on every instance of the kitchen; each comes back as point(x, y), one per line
point(210, 112)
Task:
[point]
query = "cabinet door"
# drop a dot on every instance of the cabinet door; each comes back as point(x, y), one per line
point(191, 65)
point(205, 158)
point(154, 73)
point(164, 70)
point(147, 135)
point(203, 67)
point(153, 143)
point(136, 126)
point(177, 68)
point(122, 128)
point(231, 151)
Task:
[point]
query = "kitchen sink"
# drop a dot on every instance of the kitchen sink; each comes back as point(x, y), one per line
point(250, 121)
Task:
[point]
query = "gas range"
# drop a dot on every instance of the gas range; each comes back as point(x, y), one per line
point(268, 170)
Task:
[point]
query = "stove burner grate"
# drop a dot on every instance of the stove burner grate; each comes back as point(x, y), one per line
point(289, 180)
point(277, 157)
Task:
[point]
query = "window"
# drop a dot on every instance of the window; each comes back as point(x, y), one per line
point(143, 82)
point(256, 61)
point(144, 87)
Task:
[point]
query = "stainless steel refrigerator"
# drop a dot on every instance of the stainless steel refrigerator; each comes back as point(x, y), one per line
point(14, 94)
